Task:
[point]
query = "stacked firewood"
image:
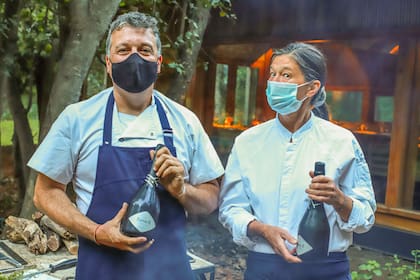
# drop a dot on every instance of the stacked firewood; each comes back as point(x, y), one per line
point(41, 234)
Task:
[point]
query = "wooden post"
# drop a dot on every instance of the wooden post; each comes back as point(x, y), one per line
point(209, 90)
point(413, 131)
point(263, 111)
point(402, 160)
point(231, 90)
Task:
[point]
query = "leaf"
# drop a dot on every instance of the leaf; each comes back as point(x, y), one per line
point(377, 272)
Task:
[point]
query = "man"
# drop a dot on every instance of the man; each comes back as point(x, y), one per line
point(104, 146)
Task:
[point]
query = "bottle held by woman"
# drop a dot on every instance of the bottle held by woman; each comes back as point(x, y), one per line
point(314, 230)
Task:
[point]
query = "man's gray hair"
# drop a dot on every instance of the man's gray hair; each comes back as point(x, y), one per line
point(312, 64)
point(137, 20)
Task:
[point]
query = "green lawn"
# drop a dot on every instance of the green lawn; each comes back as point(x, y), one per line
point(6, 130)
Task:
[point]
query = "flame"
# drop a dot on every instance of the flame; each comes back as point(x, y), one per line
point(395, 49)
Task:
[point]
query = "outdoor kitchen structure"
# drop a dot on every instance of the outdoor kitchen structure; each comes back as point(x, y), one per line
point(373, 86)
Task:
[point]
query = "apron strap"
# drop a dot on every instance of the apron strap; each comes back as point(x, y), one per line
point(107, 135)
point(168, 134)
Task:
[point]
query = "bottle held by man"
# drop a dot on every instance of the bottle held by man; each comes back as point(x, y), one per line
point(144, 209)
point(314, 230)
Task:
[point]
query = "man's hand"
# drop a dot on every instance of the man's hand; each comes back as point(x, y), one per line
point(109, 234)
point(170, 172)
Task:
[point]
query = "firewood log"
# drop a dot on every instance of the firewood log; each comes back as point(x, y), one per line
point(15, 227)
point(13, 235)
point(63, 232)
point(53, 239)
point(71, 245)
point(35, 238)
point(29, 231)
point(36, 216)
point(17, 223)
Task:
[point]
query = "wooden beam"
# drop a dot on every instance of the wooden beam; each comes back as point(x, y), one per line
point(231, 90)
point(398, 166)
point(263, 111)
point(413, 131)
point(209, 97)
point(398, 218)
point(195, 97)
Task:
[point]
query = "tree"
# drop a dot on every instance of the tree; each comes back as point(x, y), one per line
point(83, 24)
point(50, 45)
point(11, 86)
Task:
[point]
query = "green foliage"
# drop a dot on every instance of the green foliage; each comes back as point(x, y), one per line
point(6, 129)
point(12, 276)
point(390, 270)
point(178, 67)
point(39, 35)
point(38, 27)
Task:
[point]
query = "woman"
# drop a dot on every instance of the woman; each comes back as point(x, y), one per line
point(269, 176)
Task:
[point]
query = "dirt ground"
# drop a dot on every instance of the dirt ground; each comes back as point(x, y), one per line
point(206, 237)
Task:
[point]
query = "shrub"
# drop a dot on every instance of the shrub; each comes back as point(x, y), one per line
point(390, 270)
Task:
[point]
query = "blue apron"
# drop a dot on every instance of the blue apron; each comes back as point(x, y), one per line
point(120, 171)
point(262, 266)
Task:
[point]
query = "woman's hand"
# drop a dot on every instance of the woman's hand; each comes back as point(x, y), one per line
point(323, 189)
point(277, 238)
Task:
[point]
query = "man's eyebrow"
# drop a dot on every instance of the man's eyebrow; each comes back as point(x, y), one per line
point(123, 44)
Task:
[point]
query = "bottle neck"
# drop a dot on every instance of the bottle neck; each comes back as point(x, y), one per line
point(151, 176)
point(152, 171)
point(315, 203)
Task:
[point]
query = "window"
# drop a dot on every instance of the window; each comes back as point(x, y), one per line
point(384, 108)
point(220, 94)
point(235, 94)
point(345, 106)
point(246, 87)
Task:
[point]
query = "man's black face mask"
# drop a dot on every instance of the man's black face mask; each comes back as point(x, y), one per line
point(134, 74)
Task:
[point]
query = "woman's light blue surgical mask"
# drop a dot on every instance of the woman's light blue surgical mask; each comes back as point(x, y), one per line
point(282, 97)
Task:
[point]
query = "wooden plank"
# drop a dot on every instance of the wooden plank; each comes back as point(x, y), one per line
point(413, 133)
point(400, 127)
point(397, 222)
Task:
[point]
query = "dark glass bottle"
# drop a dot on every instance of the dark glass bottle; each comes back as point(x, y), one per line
point(314, 230)
point(143, 211)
